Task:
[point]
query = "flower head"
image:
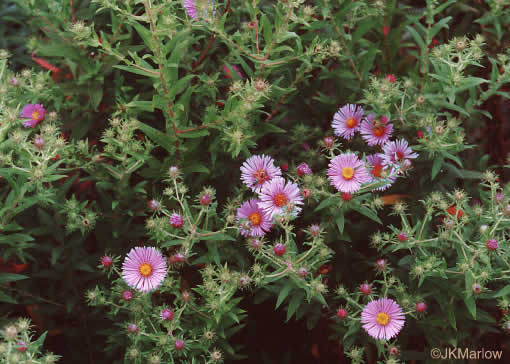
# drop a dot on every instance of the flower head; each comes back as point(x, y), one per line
point(346, 120)
point(254, 221)
point(199, 8)
point(397, 152)
point(144, 268)
point(176, 220)
point(382, 319)
point(376, 131)
point(303, 169)
point(378, 169)
point(35, 113)
point(277, 195)
point(259, 170)
point(167, 314)
point(346, 172)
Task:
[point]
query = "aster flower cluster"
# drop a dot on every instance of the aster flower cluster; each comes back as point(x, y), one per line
point(347, 172)
point(17, 345)
point(276, 197)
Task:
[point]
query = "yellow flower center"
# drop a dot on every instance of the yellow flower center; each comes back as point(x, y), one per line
point(255, 218)
point(280, 199)
point(348, 173)
point(145, 269)
point(383, 318)
point(351, 123)
point(36, 115)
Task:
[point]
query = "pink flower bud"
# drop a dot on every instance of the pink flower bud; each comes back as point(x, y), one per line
point(365, 289)
point(106, 261)
point(421, 307)
point(341, 313)
point(391, 78)
point(127, 295)
point(492, 244)
point(179, 344)
point(279, 249)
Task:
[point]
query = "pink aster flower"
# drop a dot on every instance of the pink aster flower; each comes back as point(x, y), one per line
point(382, 319)
point(254, 221)
point(376, 131)
point(198, 8)
point(258, 170)
point(379, 170)
point(347, 120)
point(397, 152)
point(347, 173)
point(144, 268)
point(277, 196)
point(303, 169)
point(35, 113)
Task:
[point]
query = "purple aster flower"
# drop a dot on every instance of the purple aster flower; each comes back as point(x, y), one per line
point(167, 314)
point(303, 169)
point(376, 131)
point(176, 220)
point(277, 195)
point(254, 221)
point(382, 319)
point(347, 120)
point(397, 152)
point(379, 170)
point(199, 8)
point(258, 170)
point(35, 113)
point(144, 268)
point(347, 173)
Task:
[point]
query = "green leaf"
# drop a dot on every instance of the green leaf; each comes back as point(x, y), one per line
point(217, 236)
point(138, 71)
point(194, 134)
point(198, 168)
point(294, 303)
point(6, 298)
point(15, 238)
point(157, 136)
point(267, 30)
point(367, 212)
point(436, 167)
point(96, 95)
point(503, 291)
point(451, 317)
point(326, 203)
point(443, 23)
point(284, 292)
point(212, 248)
point(417, 38)
point(471, 305)
point(11, 277)
point(340, 223)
